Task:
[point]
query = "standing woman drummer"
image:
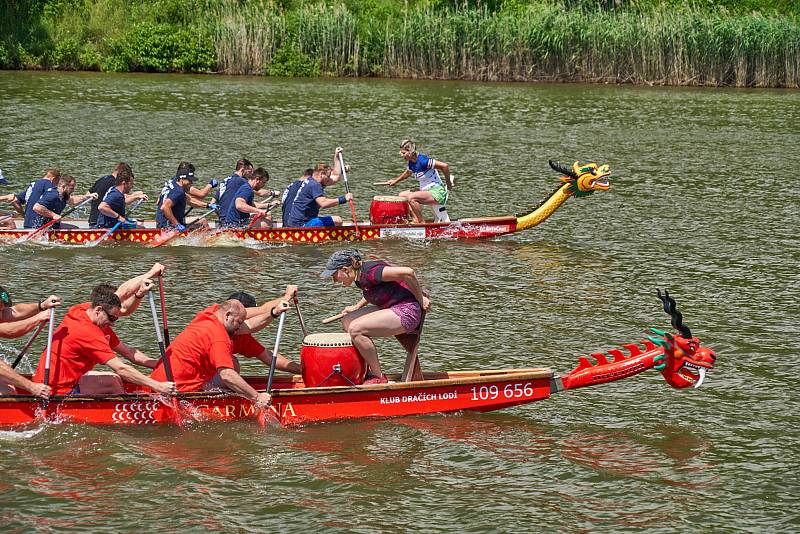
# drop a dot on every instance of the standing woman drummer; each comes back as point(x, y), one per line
point(431, 188)
point(396, 299)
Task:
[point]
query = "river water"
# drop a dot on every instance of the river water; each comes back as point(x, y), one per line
point(704, 202)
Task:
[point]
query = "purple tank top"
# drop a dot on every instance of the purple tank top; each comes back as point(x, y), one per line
point(376, 291)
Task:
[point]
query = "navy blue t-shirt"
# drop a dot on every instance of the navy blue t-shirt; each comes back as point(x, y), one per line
point(177, 195)
point(235, 217)
point(116, 201)
point(305, 205)
point(38, 189)
point(100, 187)
point(287, 200)
point(52, 200)
point(227, 192)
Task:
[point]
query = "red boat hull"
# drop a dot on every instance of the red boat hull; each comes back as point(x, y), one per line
point(294, 404)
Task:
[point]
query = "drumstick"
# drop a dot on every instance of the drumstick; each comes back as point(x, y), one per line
point(333, 318)
point(381, 183)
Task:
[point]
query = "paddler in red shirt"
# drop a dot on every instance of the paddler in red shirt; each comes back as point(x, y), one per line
point(85, 338)
point(258, 317)
point(205, 349)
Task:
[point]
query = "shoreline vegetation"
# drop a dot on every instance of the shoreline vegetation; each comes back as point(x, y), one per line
point(739, 43)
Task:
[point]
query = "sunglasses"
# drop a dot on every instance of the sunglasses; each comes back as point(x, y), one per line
point(6, 298)
point(111, 318)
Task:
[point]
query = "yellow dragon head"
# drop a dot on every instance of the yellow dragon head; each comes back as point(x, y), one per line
point(585, 178)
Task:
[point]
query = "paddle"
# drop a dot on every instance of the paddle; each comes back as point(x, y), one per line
point(172, 234)
point(27, 346)
point(333, 318)
point(4, 218)
point(262, 415)
point(47, 357)
point(300, 316)
point(53, 221)
point(163, 310)
point(113, 228)
point(164, 359)
point(347, 190)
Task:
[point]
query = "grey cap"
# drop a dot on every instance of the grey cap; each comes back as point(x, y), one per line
point(339, 259)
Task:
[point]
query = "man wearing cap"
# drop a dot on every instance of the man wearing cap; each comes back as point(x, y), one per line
point(204, 350)
point(17, 320)
point(396, 298)
point(310, 198)
point(171, 211)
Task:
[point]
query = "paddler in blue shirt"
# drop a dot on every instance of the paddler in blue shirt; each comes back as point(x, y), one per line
point(34, 192)
point(54, 200)
point(112, 208)
point(230, 186)
point(244, 205)
point(171, 213)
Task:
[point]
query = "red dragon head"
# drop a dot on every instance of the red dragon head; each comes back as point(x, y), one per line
point(685, 360)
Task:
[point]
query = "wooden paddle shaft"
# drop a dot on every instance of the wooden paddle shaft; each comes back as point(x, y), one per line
point(333, 318)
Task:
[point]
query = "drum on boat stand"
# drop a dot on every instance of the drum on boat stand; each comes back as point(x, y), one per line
point(331, 360)
point(388, 210)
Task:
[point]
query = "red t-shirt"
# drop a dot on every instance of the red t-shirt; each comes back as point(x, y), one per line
point(247, 345)
point(198, 352)
point(78, 345)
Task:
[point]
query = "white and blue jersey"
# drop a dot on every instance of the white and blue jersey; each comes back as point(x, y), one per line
point(177, 195)
point(424, 170)
point(32, 196)
point(116, 201)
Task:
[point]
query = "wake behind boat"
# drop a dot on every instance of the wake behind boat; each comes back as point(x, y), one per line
point(579, 180)
point(315, 395)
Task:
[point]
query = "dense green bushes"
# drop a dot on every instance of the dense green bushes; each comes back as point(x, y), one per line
point(715, 42)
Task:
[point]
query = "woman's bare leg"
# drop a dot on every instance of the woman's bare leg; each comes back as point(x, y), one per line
point(370, 322)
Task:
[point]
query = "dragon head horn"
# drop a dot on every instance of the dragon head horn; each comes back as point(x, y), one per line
point(677, 318)
point(560, 167)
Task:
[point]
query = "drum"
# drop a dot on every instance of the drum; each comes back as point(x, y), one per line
point(388, 210)
point(331, 360)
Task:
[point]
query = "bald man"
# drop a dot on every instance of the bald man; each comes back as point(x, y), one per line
point(202, 354)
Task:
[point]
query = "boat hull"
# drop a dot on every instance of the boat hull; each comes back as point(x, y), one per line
point(464, 229)
point(294, 404)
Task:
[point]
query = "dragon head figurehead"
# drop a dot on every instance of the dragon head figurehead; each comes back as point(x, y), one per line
point(685, 361)
point(584, 178)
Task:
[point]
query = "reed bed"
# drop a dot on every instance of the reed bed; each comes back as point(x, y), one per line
point(539, 42)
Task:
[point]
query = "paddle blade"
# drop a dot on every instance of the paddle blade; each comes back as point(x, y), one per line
point(267, 417)
point(164, 238)
point(176, 414)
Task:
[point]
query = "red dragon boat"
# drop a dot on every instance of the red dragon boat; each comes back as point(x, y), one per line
point(680, 358)
point(579, 180)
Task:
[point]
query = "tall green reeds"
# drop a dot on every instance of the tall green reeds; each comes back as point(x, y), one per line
point(539, 42)
point(524, 40)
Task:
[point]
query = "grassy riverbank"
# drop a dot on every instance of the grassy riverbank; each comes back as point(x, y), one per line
point(744, 44)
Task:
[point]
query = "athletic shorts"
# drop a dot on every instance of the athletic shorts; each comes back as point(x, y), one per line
point(410, 314)
point(439, 193)
point(325, 220)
